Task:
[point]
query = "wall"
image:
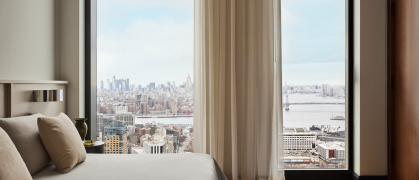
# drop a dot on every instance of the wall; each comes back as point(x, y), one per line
point(44, 40)
point(70, 49)
point(27, 40)
point(370, 87)
point(405, 65)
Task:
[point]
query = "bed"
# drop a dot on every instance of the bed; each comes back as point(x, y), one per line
point(139, 166)
point(16, 100)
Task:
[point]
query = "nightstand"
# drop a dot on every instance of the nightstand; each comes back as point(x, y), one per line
point(98, 147)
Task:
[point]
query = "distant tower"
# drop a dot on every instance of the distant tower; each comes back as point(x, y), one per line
point(189, 84)
point(287, 104)
point(127, 86)
point(109, 86)
point(114, 85)
point(152, 85)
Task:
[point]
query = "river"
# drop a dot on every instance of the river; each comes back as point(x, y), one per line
point(297, 116)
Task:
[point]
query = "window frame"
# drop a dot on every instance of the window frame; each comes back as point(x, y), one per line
point(90, 55)
point(347, 173)
point(290, 174)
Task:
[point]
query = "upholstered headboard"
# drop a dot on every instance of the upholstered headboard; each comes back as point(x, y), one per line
point(17, 98)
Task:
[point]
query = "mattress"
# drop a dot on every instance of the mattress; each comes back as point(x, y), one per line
point(139, 166)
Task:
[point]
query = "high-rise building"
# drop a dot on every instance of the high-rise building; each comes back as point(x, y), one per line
point(169, 143)
point(114, 136)
point(123, 86)
point(110, 108)
point(152, 86)
point(174, 85)
point(119, 84)
point(189, 84)
point(325, 90)
point(114, 85)
point(127, 85)
point(175, 134)
point(143, 108)
point(179, 101)
point(108, 85)
point(153, 130)
point(126, 117)
point(101, 85)
point(99, 123)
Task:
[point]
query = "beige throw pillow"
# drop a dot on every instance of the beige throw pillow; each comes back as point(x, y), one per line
point(11, 163)
point(24, 133)
point(62, 141)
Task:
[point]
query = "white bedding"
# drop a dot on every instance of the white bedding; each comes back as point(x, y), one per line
point(134, 166)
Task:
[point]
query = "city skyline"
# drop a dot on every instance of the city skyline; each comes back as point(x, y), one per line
point(105, 83)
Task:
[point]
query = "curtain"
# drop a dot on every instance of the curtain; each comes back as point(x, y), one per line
point(238, 86)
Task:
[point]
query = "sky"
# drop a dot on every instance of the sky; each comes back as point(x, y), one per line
point(145, 41)
point(152, 41)
point(313, 42)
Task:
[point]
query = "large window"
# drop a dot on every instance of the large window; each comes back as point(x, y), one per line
point(145, 87)
point(314, 84)
point(144, 76)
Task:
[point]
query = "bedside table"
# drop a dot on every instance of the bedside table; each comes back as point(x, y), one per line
point(98, 147)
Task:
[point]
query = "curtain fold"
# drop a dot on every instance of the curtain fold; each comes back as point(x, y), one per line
point(238, 86)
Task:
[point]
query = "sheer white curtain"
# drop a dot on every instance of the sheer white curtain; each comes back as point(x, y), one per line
point(237, 90)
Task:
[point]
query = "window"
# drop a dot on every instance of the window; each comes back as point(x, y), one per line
point(317, 41)
point(314, 84)
point(144, 84)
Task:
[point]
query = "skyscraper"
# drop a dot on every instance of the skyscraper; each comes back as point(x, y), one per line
point(118, 84)
point(101, 85)
point(127, 85)
point(114, 85)
point(152, 86)
point(114, 136)
point(175, 134)
point(325, 90)
point(189, 85)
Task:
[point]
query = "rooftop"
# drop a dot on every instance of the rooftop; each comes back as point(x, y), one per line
point(296, 131)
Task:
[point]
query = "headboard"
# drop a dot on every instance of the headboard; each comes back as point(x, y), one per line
point(16, 98)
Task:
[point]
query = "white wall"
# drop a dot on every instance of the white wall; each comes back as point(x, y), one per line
point(70, 49)
point(44, 40)
point(370, 93)
point(27, 40)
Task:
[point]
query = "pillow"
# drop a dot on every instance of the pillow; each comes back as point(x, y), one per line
point(62, 141)
point(24, 133)
point(12, 165)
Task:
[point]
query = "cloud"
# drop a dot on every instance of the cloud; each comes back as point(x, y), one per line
point(183, 5)
point(147, 50)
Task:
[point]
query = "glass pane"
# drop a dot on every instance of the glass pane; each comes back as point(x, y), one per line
point(313, 43)
point(144, 66)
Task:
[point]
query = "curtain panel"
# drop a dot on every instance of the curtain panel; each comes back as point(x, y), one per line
point(238, 86)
